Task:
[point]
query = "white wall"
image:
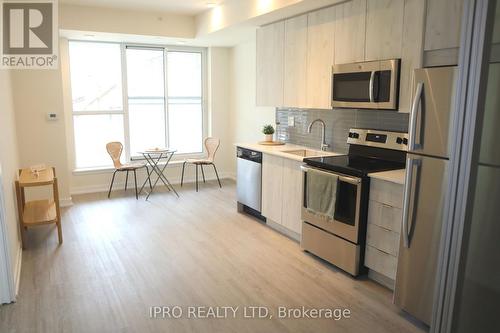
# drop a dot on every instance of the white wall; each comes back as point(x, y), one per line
point(232, 114)
point(246, 118)
point(37, 93)
point(231, 13)
point(219, 106)
point(112, 20)
point(10, 164)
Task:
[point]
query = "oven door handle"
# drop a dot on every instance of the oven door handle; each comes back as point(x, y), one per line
point(350, 180)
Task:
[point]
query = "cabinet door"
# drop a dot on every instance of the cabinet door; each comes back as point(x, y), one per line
point(350, 32)
point(295, 61)
point(412, 50)
point(384, 29)
point(320, 52)
point(442, 27)
point(272, 183)
point(269, 76)
point(292, 195)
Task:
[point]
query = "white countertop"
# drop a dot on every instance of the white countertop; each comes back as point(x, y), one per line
point(395, 176)
point(281, 150)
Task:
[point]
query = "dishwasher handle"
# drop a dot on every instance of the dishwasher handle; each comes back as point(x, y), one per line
point(248, 154)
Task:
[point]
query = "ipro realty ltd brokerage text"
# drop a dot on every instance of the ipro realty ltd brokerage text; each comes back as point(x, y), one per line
point(256, 312)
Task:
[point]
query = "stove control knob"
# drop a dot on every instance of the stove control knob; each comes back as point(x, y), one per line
point(405, 141)
point(399, 140)
point(356, 135)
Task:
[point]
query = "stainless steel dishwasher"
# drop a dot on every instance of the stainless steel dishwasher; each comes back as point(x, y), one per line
point(249, 181)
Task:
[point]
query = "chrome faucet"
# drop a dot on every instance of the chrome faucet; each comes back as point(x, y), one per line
point(324, 145)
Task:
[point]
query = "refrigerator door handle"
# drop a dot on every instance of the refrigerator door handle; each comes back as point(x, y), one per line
point(413, 119)
point(410, 165)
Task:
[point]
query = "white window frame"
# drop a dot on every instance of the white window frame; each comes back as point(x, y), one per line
point(125, 109)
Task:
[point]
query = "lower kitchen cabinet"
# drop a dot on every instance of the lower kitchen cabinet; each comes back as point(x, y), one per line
point(383, 230)
point(282, 192)
point(272, 187)
point(292, 195)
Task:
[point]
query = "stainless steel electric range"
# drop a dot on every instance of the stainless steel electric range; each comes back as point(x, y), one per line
point(336, 191)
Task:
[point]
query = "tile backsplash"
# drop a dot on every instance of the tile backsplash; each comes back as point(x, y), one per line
point(338, 122)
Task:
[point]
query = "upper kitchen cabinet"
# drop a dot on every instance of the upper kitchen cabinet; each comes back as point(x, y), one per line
point(442, 29)
point(384, 29)
point(412, 50)
point(442, 32)
point(295, 62)
point(350, 32)
point(320, 52)
point(270, 56)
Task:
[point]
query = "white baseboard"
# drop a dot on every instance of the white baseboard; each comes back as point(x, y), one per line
point(283, 230)
point(118, 186)
point(381, 279)
point(66, 202)
point(17, 273)
point(231, 175)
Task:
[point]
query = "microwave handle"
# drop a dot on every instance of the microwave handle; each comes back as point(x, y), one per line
point(372, 78)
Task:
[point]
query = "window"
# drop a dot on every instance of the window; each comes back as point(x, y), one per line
point(185, 100)
point(162, 107)
point(96, 86)
point(146, 99)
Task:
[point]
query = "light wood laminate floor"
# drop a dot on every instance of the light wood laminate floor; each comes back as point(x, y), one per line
point(121, 256)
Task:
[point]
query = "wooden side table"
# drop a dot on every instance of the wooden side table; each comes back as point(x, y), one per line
point(38, 212)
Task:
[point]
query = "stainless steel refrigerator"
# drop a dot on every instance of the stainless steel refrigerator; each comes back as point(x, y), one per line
point(425, 188)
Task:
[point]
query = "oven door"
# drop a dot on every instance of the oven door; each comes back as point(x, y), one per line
point(368, 85)
point(346, 219)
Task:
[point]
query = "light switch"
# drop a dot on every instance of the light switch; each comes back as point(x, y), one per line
point(291, 121)
point(52, 116)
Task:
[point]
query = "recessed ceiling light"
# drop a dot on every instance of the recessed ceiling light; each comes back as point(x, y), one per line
point(211, 4)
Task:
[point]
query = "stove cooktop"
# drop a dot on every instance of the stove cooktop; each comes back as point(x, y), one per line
point(354, 165)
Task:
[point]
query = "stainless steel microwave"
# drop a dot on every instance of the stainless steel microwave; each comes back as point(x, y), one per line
point(366, 85)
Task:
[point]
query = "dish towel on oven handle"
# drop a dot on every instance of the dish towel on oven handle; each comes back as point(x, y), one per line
point(321, 193)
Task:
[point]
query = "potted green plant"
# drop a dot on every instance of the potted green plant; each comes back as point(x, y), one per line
point(268, 131)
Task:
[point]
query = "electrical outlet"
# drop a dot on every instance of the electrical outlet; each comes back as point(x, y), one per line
point(291, 121)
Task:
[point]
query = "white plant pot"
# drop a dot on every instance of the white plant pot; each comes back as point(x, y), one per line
point(269, 137)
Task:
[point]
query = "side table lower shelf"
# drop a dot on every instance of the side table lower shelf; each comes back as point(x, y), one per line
point(40, 212)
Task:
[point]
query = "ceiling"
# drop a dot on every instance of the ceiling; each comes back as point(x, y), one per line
point(188, 7)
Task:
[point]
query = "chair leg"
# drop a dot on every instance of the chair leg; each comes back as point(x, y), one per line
point(111, 186)
point(149, 178)
point(202, 173)
point(126, 181)
point(217, 175)
point(135, 182)
point(182, 176)
point(196, 165)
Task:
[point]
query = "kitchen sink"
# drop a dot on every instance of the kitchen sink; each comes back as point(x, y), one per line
point(307, 152)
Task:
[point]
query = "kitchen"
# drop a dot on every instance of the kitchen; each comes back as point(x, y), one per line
point(295, 166)
point(365, 191)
